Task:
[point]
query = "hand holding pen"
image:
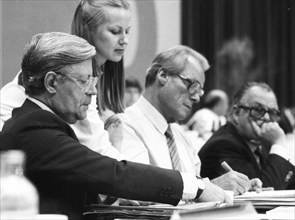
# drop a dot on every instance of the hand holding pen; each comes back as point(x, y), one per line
point(256, 183)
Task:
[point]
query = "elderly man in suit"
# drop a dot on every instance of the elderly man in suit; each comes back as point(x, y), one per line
point(57, 77)
point(252, 142)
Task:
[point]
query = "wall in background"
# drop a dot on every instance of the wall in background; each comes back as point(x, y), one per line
point(155, 27)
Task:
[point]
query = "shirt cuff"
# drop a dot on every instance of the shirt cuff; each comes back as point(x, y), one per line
point(282, 152)
point(190, 186)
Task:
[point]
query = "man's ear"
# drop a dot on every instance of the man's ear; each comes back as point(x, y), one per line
point(236, 114)
point(50, 82)
point(162, 77)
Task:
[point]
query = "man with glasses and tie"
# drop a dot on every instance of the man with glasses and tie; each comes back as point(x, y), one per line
point(58, 79)
point(147, 133)
point(252, 141)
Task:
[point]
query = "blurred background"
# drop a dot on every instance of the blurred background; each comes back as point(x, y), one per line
point(242, 39)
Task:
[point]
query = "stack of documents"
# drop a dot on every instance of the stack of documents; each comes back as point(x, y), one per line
point(127, 212)
point(268, 199)
point(159, 211)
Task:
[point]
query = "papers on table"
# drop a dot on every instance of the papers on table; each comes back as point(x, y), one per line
point(235, 212)
point(159, 211)
point(268, 198)
point(243, 208)
point(190, 206)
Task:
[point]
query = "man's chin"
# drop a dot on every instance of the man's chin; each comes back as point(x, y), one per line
point(182, 116)
point(81, 117)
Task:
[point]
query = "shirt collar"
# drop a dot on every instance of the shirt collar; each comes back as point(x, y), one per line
point(153, 115)
point(40, 104)
point(253, 147)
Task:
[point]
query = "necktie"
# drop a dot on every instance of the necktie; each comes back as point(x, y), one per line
point(258, 153)
point(172, 149)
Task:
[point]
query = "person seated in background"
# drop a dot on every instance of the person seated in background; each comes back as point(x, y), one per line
point(133, 91)
point(146, 132)
point(252, 142)
point(58, 79)
point(211, 117)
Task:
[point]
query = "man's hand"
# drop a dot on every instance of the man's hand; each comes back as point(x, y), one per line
point(256, 185)
point(213, 193)
point(270, 131)
point(234, 181)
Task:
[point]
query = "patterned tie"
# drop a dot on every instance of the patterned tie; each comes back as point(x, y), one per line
point(172, 149)
point(258, 153)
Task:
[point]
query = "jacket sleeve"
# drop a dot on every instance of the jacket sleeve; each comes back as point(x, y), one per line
point(241, 159)
point(55, 155)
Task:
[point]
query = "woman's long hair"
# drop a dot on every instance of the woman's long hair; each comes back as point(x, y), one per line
point(111, 87)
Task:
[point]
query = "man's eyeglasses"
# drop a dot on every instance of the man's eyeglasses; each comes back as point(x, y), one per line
point(257, 112)
point(85, 83)
point(194, 86)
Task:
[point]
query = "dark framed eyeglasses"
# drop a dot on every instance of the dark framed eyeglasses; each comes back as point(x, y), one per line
point(194, 86)
point(85, 83)
point(257, 112)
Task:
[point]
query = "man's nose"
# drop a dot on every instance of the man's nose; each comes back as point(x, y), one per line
point(92, 89)
point(195, 98)
point(266, 117)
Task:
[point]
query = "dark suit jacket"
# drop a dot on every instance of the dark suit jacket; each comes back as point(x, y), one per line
point(64, 170)
point(227, 145)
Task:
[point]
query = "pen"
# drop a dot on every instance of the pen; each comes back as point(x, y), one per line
point(226, 167)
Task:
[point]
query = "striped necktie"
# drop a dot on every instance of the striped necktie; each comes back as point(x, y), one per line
point(258, 153)
point(172, 149)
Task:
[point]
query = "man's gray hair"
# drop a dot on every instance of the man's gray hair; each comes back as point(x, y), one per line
point(242, 91)
point(52, 51)
point(174, 61)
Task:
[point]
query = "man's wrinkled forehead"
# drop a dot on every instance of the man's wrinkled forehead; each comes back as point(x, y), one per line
point(257, 96)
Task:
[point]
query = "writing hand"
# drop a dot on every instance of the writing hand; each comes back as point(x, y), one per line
point(234, 181)
point(214, 193)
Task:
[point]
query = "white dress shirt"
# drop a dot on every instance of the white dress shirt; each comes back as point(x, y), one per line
point(139, 135)
point(12, 96)
point(205, 122)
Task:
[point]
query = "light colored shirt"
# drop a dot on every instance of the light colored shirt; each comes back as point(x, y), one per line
point(286, 153)
point(205, 122)
point(12, 96)
point(89, 131)
point(139, 134)
point(41, 104)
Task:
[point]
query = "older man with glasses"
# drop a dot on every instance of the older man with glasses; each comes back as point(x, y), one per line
point(58, 79)
point(146, 132)
point(252, 141)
